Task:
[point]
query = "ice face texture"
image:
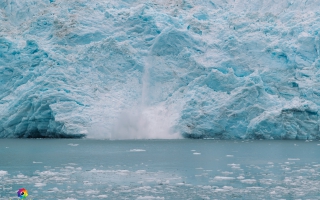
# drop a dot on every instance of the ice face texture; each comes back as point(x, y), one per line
point(160, 69)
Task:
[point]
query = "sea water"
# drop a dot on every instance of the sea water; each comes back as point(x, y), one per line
point(159, 169)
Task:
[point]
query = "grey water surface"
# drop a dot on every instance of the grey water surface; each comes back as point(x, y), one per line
point(159, 169)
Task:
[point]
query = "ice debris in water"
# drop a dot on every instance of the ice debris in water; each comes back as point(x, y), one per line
point(137, 150)
point(159, 69)
point(73, 145)
point(3, 173)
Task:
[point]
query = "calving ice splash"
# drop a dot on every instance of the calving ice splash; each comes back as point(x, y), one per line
point(159, 69)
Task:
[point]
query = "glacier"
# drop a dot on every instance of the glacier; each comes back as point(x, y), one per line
point(134, 69)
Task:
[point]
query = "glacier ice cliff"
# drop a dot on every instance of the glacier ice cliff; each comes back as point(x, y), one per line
point(131, 69)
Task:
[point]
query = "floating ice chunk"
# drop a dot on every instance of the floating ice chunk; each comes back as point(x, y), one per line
point(89, 192)
point(34, 162)
point(47, 173)
point(102, 196)
point(73, 145)
point(254, 188)
point(227, 187)
point(141, 171)
point(137, 150)
point(122, 172)
point(227, 173)
point(223, 178)
point(40, 184)
point(21, 176)
point(97, 171)
point(293, 158)
point(248, 181)
point(72, 164)
point(150, 197)
point(229, 156)
point(3, 173)
point(221, 190)
point(55, 189)
point(234, 166)
point(87, 183)
point(273, 192)
point(196, 153)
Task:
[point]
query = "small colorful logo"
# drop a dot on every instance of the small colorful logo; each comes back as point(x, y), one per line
point(22, 193)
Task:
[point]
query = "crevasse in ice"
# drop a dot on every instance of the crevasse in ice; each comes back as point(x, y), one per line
point(131, 69)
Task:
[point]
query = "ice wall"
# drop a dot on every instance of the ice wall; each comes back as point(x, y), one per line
point(131, 69)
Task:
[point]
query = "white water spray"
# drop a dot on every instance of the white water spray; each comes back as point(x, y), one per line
point(145, 121)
